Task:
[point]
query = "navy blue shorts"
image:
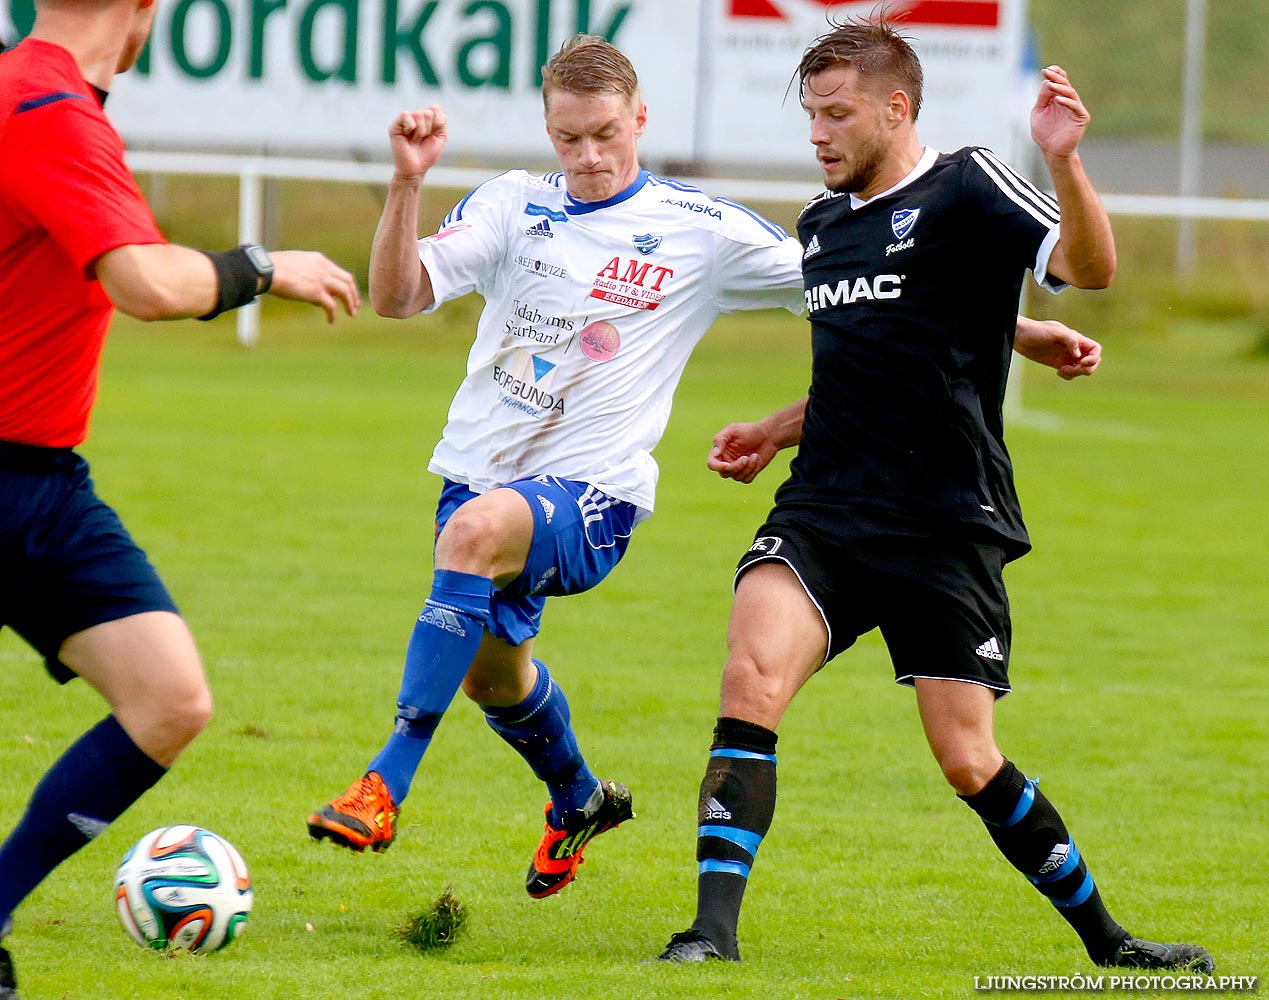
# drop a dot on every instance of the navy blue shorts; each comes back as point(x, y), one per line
point(69, 563)
point(941, 605)
point(579, 535)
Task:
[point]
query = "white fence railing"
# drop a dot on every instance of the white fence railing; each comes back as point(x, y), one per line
point(251, 171)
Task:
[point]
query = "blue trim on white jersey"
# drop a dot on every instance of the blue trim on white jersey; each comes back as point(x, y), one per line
point(456, 213)
point(766, 224)
point(676, 185)
point(574, 207)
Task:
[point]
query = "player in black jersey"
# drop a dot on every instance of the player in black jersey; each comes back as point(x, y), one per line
point(899, 512)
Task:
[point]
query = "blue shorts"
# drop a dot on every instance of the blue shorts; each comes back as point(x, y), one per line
point(579, 535)
point(69, 563)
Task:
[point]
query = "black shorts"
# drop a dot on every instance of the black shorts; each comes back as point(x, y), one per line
point(940, 604)
point(68, 562)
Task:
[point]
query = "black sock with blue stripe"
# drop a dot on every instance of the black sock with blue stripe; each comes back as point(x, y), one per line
point(737, 803)
point(1033, 838)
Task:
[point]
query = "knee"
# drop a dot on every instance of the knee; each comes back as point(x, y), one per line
point(195, 713)
point(486, 690)
point(470, 542)
point(185, 712)
point(754, 692)
point(968, 770)
point(169, 716)
point(498, 686)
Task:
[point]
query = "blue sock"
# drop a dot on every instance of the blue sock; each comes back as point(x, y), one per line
point(442, 646)
point(538, 728)
point(89, 787)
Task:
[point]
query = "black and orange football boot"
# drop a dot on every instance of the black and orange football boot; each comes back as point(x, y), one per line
point(362, 817)
point(555, 862)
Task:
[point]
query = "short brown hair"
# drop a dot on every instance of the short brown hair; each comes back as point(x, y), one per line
point(588, 64)
point(874, 48)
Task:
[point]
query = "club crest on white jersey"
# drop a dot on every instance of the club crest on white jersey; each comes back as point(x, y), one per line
point(646, 243)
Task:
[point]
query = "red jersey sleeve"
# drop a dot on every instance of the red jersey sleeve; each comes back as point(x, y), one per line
point(74, 182)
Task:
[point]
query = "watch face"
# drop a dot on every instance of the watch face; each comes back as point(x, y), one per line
point(260, 259)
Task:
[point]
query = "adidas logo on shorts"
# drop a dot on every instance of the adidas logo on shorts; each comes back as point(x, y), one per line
point(990, 650)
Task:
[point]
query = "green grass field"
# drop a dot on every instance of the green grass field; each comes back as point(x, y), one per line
point(282, 492)
point(1127, 58)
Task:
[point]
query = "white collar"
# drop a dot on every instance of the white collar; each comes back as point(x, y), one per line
point(928, 156)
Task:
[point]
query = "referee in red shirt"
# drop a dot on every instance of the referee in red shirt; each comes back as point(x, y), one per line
point(77, 240)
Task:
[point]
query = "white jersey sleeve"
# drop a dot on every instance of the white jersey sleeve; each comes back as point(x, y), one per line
point(757, 265)
point(464, 253)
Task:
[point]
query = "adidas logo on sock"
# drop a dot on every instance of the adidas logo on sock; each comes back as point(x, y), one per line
point(89, 826)
point(990, 650)
point(547, 507)
point(1055, 860)
point(812, 248)
point(715, 810)
point(543, 228)
point(442, 619)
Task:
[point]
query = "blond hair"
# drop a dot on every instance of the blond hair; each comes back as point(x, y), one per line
point(588, 64)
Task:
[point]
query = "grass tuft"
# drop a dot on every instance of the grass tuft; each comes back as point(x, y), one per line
point(436, 927)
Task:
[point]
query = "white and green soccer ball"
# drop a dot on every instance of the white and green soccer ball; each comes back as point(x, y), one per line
point(183, 887)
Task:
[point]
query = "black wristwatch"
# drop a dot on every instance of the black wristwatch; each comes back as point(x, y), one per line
point(262, 262)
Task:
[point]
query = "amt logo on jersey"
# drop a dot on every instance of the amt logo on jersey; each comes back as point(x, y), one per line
point(627, 283)
point(848, 291)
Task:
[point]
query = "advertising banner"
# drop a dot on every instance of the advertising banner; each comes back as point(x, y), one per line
point(971, 53)
point(327, 76)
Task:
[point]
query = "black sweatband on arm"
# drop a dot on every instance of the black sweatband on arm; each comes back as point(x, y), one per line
point(237, 282)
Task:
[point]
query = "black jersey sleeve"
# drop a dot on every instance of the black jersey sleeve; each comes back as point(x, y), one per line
point(1018, 214)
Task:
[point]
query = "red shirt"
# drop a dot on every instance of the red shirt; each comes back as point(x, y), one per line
point(66, 197)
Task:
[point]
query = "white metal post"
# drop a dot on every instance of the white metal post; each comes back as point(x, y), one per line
point(1191, 126)
point(249, 226)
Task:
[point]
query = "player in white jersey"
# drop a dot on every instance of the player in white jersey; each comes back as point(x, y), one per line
point(591, 311)
point(598, 281)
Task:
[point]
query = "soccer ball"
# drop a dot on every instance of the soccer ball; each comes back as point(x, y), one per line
point(183, 887)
